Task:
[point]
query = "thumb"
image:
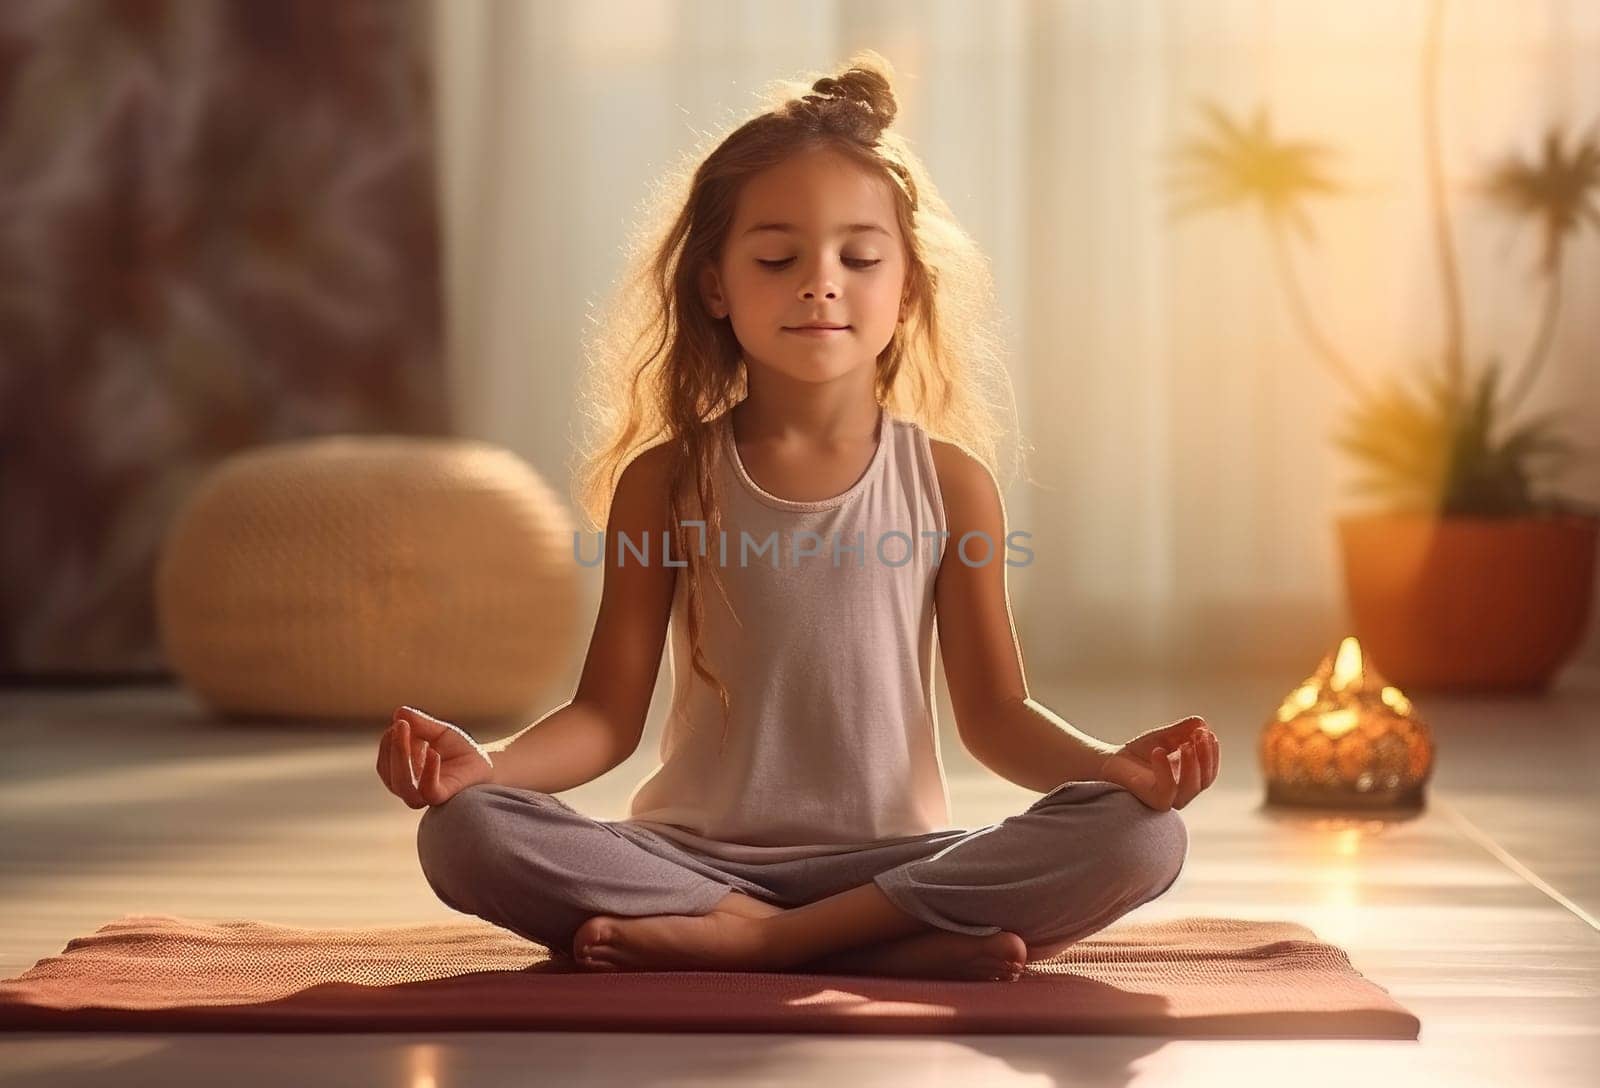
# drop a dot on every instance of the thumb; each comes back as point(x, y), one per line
point(1166, 737)
point(1180, 730)
point(425, 724)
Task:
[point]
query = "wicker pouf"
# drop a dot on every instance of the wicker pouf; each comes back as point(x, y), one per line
point(341, 577)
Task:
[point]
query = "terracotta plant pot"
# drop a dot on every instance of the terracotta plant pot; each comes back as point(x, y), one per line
point(1469, 603)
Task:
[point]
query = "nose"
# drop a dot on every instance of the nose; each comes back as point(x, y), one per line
point(817, 284)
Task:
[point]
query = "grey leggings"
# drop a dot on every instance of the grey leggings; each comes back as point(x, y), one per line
point(1076, 860)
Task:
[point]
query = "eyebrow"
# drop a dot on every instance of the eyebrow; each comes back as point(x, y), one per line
point(850, 228)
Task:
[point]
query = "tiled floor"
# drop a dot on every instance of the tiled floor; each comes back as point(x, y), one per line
point(1479, 915)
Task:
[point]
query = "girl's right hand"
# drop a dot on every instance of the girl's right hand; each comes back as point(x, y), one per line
point(424, 761)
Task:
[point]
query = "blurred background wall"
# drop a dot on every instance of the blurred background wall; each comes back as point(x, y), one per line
point(218, 228)
point(229, 223)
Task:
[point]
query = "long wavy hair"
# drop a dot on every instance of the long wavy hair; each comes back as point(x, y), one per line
point(661, 370)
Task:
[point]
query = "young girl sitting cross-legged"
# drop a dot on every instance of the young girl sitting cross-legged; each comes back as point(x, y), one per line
point(799, 332)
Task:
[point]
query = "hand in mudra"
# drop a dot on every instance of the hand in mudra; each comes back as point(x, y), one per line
point(424, 761)
point(1166, 767)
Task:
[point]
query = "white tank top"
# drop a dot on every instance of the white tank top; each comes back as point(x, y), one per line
point(832, 741)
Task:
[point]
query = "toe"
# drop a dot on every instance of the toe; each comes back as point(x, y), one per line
point(599, 956)
point(590, 935)
point(1012, 948)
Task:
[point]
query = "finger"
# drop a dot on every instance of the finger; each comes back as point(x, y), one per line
point(423, 725)
point(431, 787)
point(1181, 730)
point(1165, 785)
point(1177, 774)
point(419, 760)
point(408, 744)
point(1188, 775)
point(1213, 757)
point(442, 734)
point(390, 766)
point(402, 777)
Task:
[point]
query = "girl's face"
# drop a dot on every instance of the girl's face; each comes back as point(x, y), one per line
point(813, 239)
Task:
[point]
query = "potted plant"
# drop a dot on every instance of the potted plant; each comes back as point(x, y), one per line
point(1473, 575)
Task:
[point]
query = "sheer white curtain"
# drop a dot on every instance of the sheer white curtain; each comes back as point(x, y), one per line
point(1182, 487)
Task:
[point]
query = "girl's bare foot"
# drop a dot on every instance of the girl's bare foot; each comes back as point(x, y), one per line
point(716, 941)
point(998, 957)
point(731, 941)
point(938, 954)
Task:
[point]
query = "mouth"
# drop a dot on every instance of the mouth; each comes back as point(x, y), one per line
point(816, 330)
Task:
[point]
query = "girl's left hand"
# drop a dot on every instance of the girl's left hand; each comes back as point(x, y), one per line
point(1167, 767)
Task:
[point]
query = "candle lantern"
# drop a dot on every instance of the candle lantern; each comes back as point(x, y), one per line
point(1346, 739)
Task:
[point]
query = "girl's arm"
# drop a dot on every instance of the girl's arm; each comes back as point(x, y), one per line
point(603, 723)
point(999, 724)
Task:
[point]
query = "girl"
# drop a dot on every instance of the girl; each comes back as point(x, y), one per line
point(772, 384)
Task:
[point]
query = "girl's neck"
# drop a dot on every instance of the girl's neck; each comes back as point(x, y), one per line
point(806, 412)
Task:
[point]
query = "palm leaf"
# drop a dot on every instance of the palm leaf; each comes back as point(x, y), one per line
point(1556, 190)
point(1243, 163)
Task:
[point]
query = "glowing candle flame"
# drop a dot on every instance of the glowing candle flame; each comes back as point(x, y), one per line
point(1347, 669)
point(1337, 722)
point(1397, 701)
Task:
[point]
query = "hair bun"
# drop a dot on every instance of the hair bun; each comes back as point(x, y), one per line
point(862, 85)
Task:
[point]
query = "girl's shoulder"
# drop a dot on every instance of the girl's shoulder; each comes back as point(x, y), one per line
point(965, 482)
point(650, 467)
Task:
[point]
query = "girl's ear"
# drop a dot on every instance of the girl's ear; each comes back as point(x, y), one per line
point(711, 292)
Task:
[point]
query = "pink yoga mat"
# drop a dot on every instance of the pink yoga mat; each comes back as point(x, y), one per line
point(1210, 977)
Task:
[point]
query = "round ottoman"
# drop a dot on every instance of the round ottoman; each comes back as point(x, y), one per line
point(343, 576)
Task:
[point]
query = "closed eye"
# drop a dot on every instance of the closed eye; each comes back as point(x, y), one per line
point(853, 262)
